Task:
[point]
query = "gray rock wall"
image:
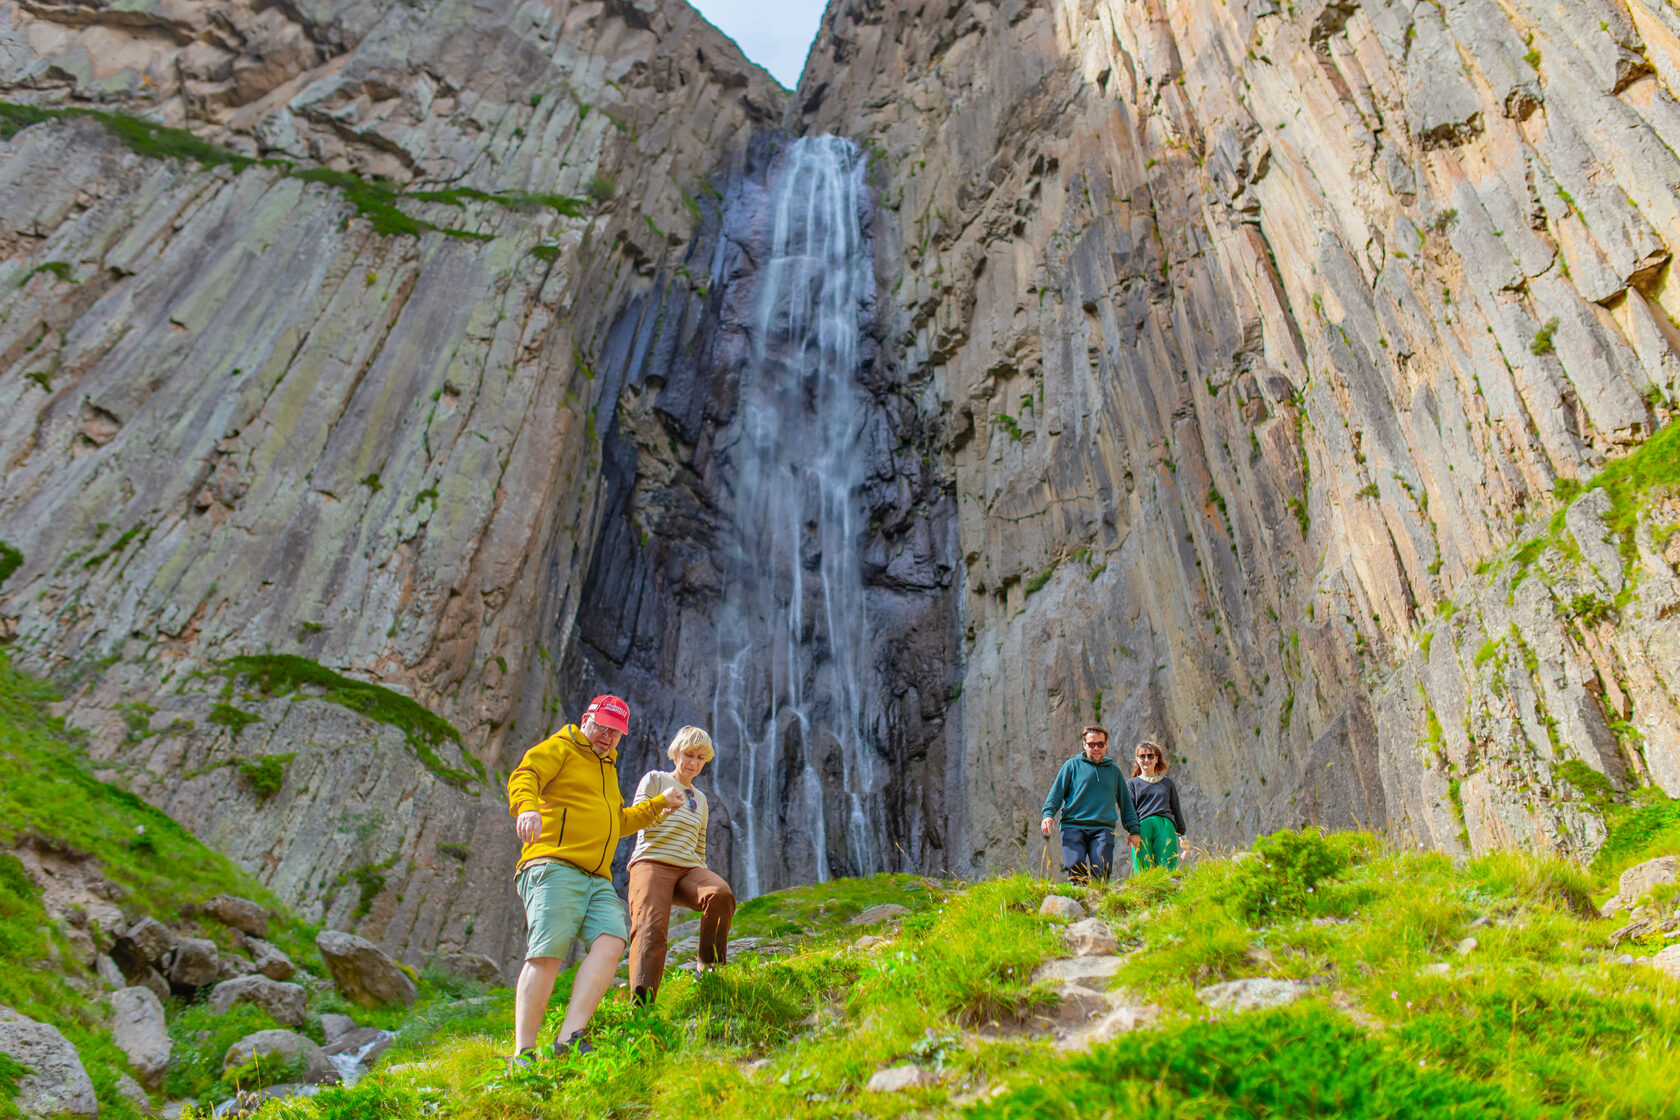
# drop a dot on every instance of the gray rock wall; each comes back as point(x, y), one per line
point(267, 409)
point(1261, 333)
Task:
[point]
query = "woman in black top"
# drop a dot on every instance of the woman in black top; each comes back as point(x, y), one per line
point(1160, 820)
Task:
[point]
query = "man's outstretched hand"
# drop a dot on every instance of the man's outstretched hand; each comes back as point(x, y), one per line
point(528, 825)
point(1044, 826)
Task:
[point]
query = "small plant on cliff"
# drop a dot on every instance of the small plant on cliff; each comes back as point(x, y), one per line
point(601, 188)
point(277, 675)
point(1542, 343)
point(234, 719)
point(10, 561)
point(265, 775)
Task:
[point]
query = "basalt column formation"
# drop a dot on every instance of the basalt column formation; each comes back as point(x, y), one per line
point(1273, 343)
point(378, 380)
point(302, 454)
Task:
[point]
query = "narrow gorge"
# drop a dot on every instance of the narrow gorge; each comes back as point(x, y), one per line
point(1284, 381)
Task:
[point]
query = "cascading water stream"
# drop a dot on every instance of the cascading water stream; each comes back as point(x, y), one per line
point(792, 627)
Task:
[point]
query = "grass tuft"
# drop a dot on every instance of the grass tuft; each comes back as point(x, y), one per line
point(276, 675)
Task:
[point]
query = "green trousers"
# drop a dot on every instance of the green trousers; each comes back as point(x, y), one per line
point(1160, 844)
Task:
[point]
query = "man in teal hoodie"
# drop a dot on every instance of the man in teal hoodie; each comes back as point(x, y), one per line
point(1087, 792)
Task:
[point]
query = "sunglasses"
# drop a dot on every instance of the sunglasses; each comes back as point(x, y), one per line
point(1148, 754)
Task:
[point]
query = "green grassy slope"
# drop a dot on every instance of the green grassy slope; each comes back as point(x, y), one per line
point(1397, 1022)
point(46, 792)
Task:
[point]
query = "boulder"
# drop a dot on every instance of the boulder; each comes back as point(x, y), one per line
point(269, 960)
point(1060, 906)
point(144, 942)
point(1118, 1021)
point(472, 967)
point(1668, 962)
point(1252, 993)
point(363, 972)
point(283, 1054)
point(109, 974)
point(1076, 969)
point(230, 966)
point(283, 1002)
point(869, 941)
point(56, 1082)
point(335, 1027)
point(875, 915)
point(1091, 937)
point(192, 963)
point(138, 1029)
point(897, 1079)
point(152, 980)
point(131, 1091)
point(1636, 882)
point(238, 913)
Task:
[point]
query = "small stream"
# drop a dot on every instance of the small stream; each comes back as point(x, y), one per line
point(351, 1064)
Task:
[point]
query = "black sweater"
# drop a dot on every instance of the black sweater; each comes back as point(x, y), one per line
point(1157, 799)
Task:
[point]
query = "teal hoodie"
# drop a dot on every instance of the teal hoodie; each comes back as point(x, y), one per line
point(1087, 793)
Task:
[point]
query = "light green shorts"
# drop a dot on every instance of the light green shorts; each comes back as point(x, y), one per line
point(561, 903)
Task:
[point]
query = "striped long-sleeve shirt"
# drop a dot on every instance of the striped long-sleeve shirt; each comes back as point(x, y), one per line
point(679, 839)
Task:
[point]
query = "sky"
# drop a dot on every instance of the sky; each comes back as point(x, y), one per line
point(776, 34)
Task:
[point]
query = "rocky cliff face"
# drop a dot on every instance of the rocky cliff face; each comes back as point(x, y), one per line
point(1263, 332)
point(337, 410)
point(1229, 373)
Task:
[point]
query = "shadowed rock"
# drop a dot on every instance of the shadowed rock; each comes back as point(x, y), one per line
point(474, 967)
point(238, 913)
point(193, 963)
point(363, 972)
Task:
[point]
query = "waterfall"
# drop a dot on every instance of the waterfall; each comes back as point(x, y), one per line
point(792, 628)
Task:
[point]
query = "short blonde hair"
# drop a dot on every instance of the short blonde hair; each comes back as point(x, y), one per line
point(686, 740)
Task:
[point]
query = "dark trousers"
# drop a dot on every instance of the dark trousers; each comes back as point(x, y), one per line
point(1087, 853)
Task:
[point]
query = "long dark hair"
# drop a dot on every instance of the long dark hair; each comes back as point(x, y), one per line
point(1160, 756)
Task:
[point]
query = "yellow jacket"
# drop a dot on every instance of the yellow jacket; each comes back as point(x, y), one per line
point(576, 791)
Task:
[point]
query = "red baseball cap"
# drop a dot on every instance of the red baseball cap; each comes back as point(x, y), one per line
point(609, 711)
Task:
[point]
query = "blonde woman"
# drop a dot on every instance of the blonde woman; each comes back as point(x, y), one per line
point(1160, 820)
point(669, 867)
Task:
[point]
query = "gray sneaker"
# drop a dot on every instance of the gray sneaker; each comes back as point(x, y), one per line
point(577, 1044)
point(525, 1059)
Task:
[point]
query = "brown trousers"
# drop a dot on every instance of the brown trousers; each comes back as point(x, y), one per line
point(654, 888)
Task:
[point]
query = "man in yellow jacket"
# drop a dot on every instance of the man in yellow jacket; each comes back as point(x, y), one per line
point(569, 815)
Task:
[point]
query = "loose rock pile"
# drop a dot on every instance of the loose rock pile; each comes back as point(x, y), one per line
point(142, 963)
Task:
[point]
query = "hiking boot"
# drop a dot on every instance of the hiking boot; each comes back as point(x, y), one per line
point(525, 1059)
point(577, 1044)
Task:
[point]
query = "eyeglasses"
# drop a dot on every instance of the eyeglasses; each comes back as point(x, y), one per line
point(1148, 754)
